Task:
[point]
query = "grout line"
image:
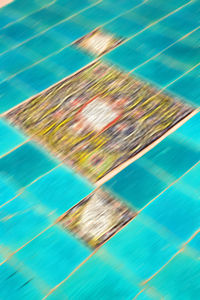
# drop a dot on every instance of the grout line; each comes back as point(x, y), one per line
point(49, 88)
point(15, 148)
point(175, 181)
point(55, 52)
point(156, 55)
point(124, 13)
point(21, 190)
point(85, 260)
point(173, 81)
point(121, 167)
point(26, 244)
point(59, 284)
point(68, 45)
point(39, 61)
point(53, 289)
point(180, 250)
point(116, 232)
point(157, 21)
point(41, 33)
point(138, 294)
point(13, 198)
point(44, 230)
point(50, 27)
point(114, 172)
point(24, 17)
point(92, 62)
point(41, 176)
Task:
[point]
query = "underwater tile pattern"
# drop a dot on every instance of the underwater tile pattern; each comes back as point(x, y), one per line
point(85, 87)
point(97, 217)
point(99, 118)
point(9, 137)
point(160, 167)
point(98, 42)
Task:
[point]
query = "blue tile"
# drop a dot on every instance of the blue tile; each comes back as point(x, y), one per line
point(72, 58)
point(176, 211)
point(18, 32)
point(98, 278)
point(25, 164)
point(13, 92)
point(194, 244)
point(189, 132)
point(174, 156)
point(140, 248)
point(188, 87)
point(179, 279)
point(6, 192)
point(20, 221)
point(58, 254)
point(59, 190)
point(15, 283)
point(136, 184)
point(9, 137)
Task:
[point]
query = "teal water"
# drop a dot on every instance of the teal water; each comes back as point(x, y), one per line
point(192, 180)
point(140, 247)
point(98, 278)
point(189, 132)
point(48, 16)
point(58, 191)
point(6, 192)
point(171, 64)
point(9, 137)
point(134, 21)
point(55, 38)
point(25, 164)
point(70, 60)
point(20, 221)
point(148, 176)
point(18, 9)
point(38, 206)
point(59, 255)
point(153, 237)
point(17, 283)
point(177, 210)
point(170, 281)
point(174, 156)
point(188, 87)
point(143, 296)
point(194, 244)
point(40, 76)
point(102, 13)
point(155, 39)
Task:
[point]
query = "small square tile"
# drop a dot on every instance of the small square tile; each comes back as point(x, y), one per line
point(97, 217)
point(98, 42)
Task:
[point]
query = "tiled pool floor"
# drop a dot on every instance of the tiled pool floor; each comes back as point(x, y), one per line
point(100, 149)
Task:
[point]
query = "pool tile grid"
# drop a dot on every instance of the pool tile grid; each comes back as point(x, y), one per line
point(155, 286)
point(120, 256)
point(61, 75)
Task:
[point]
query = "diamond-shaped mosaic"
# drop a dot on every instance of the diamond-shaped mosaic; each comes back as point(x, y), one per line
point(97, 217)
point(98, 42)
point(98, 118)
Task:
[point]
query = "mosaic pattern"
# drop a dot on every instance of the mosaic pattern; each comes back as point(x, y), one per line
point(98, 42)
point(96, 218)
point(98, 118)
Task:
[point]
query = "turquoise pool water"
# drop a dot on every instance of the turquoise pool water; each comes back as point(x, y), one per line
point(160, 46)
